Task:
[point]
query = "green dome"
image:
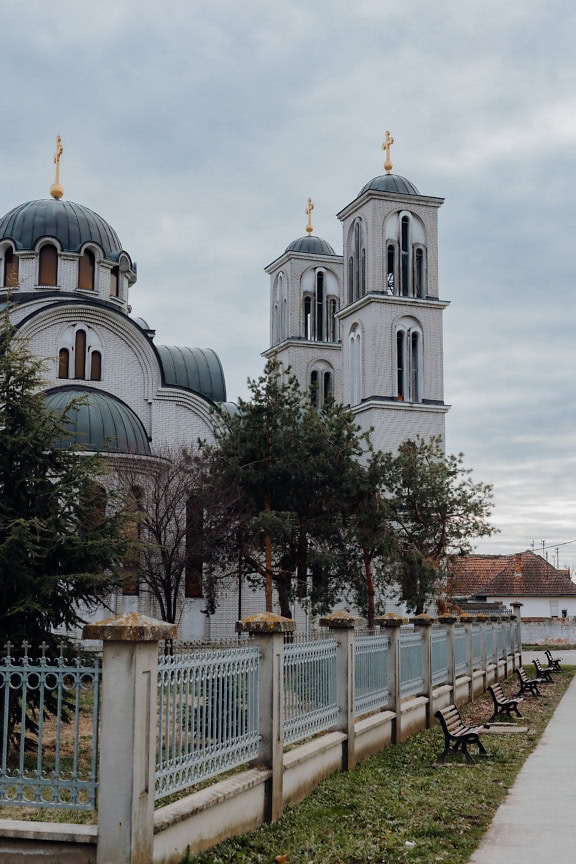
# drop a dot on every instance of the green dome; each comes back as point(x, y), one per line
point(70, 224)
point(99, 422)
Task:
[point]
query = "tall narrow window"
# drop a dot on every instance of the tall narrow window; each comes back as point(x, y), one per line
point(405, 255)
point(64, 363)
point(114, 280)
point(307, 317)
point(400, 360)
point(86, 270)
point(350, 279)
point(314, 393)
point(332, 320)
point(328, 389)
point(194, 548)
point(319, 306)
point(95, 366)
point(355, 367)
point(356, 260)
point(391, 269)
point(419, 272)
point(48, 266)
point(414, 364)
point(363, 271)
point(11, 263)
point(80, 354)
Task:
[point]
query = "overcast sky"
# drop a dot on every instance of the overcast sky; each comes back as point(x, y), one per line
point(198, 129)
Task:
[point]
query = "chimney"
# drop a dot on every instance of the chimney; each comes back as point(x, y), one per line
point(518, 564)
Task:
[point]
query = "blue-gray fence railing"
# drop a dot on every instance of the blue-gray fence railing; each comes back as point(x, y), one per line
point(44, 763)
point(371, 673)
point(310, 691)
point(411, 678)
point(439, 655)
point(207, 716)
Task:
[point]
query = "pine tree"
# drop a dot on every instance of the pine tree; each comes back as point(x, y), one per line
point(59, 548)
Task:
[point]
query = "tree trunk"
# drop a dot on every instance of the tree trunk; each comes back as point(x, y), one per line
point(369, 587)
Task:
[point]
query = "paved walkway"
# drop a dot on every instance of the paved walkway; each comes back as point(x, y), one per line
point(536, 824)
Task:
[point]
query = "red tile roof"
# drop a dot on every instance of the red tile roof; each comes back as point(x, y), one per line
point(520, 575)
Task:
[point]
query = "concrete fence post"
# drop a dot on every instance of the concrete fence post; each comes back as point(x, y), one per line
point(128, 735)
point(449, 622)
point(267, 630)
point(393, 623)
point(424, 624)
point(342, 624)
point(517, 607)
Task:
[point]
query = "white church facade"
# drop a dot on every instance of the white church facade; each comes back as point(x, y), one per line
point(364, 326)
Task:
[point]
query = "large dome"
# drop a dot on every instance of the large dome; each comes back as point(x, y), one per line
point(390, 183)
point(69, 223)
point(98, 422)
point(311, 245)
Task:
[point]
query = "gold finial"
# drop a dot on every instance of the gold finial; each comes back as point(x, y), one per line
point(56, 190)
point(308, 211)
point(386, 146)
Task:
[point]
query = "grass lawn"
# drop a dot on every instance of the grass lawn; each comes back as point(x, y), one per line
point(397, 807)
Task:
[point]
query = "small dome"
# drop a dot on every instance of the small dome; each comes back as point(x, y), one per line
point(100, 422)
point(390, 183)
point(197, 369)
point(69, 223)
point(311, 245)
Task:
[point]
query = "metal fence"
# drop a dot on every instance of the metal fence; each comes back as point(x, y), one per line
point(371, 673)
point(310, 693)
point(207, 716)
point(460, 652)
point(411, 678)
point(439, 655)
point(49, 711)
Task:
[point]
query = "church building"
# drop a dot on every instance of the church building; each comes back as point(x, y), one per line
point(364, 326)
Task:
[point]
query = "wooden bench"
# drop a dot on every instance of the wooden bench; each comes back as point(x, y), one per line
point(457, 736)
point(542, 672)
point(503, 705)
point(553, 662)
point(528, 685)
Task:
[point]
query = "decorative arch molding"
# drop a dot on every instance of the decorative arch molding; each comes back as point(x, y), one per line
point(320, 377)
point(405, 261)
point(280, 308)
point(119, 325)
point(355, 363)
point(320, 305)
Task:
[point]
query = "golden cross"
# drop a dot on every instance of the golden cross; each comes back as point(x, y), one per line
point(56, 190)
point(58, 156)
point(386, 146)
point(308, 211)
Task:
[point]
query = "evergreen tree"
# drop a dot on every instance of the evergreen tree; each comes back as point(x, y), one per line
point(59, 548)
point(288, 468)
point(436, 511)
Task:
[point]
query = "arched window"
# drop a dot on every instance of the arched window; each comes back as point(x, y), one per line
point(351, 279)
point(95, 366)
point(321, 383)
point(114, 281)
point(356, 262)
point(405, 256)
point(419, 273)
point(48, 265)
point(409, 361)
point(11, 262)
point(80, 354)
point(320, 307)
point(64, 363)
point(279, 310)
point(391, 280)
point(86, 270)
point(355, 366)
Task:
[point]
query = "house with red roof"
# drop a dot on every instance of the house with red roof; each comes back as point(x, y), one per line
point(524, 577)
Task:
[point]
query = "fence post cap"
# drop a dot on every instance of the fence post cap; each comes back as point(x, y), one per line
point(130, 627)
point(390, 620)
point(340, 619)
point(265, 622)
point(422, 620)
point(447, 619)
